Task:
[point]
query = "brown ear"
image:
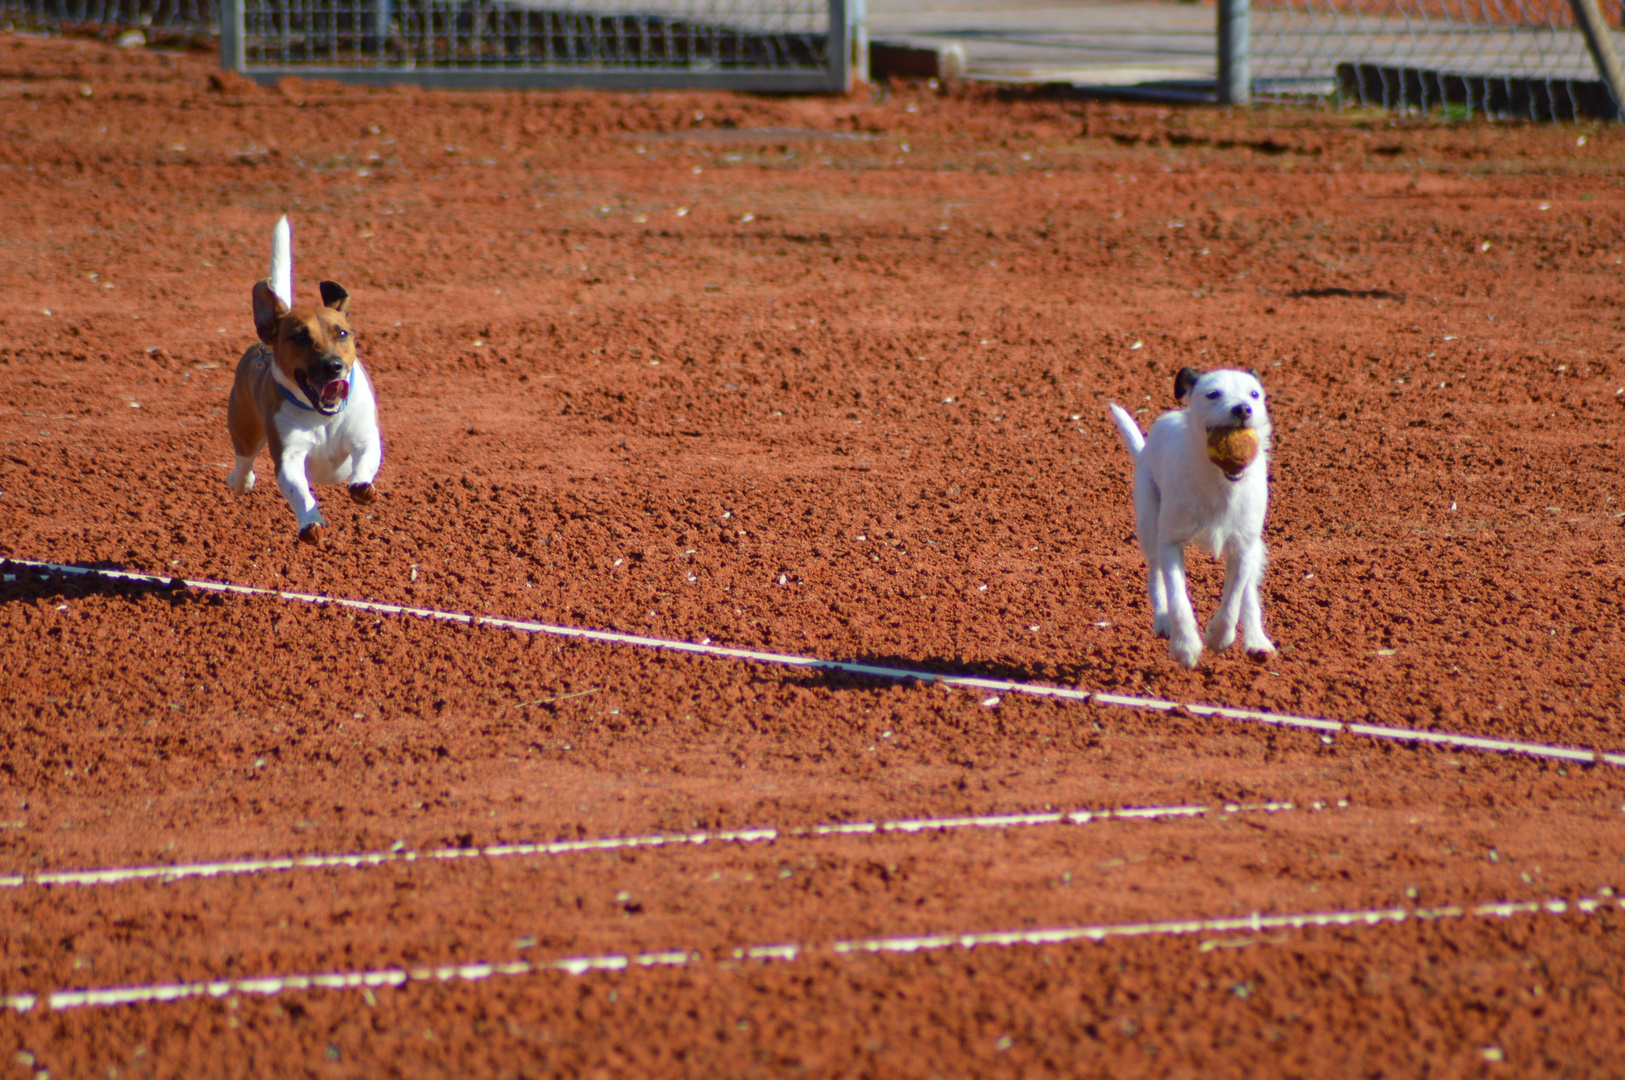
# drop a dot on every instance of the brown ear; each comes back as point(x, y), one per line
point(1184, 381)
point(268, 311)
point(335, 296)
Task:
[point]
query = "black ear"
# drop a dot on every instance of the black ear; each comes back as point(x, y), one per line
point(1184, 381)
point(334, 296)
point(268, 311)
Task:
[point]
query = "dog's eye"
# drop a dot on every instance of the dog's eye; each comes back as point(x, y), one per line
point(1255, 395)
point(1215, 395)
point(345, 333)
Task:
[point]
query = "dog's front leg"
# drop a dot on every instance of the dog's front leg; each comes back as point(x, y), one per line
point(290, 477)
point(1184, 641)
point(371, 456)
point(1253, 638)
point(1241, 568)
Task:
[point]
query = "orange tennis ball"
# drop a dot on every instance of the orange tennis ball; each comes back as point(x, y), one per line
point(1232, 449)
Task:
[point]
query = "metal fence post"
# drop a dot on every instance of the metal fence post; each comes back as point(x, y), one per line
point(231, 35)
point(381, 20)
point(1235, 65)
point(839, 50)
point(857, 16)
point(1600, 40)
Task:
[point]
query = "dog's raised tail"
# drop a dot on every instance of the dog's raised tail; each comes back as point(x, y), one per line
point(1129, 429)
point(282, 261)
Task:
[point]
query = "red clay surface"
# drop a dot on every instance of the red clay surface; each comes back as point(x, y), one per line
point(828, 377)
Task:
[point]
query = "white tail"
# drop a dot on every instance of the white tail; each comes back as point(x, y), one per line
point(282, 262)
point(1129, 429)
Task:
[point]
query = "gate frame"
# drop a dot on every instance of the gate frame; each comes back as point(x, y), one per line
point(837, 77)
point(1441, 83)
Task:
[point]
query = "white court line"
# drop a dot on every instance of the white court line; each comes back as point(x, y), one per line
point(1256, 923)
point(1328, 728)
point(360, 860)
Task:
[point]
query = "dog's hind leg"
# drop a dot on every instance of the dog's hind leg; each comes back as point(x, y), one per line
point(241, 479)
point(1157, 589)
point(246, 429)
point(1147, 509)
point(1184, 641)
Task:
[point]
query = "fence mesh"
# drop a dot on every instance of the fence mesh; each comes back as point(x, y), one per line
point(165, 14)
point(646, 35)
point(1468, 57)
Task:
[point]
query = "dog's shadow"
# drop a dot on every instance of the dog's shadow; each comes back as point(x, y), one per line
point(22, 584)
point(827, 674)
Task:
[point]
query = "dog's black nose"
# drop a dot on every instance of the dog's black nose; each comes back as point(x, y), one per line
point(1241, 412)
point(327, 370)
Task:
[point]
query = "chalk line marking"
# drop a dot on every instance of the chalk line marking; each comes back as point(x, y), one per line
point(1327, 728)
point(767, 834)
point(1255, 923)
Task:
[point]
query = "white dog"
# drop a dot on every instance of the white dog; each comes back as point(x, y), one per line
point(1187, 489)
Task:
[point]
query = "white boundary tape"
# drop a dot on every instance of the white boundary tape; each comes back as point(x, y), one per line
point(581, 965)
point(1326, 727)
point(768, 834)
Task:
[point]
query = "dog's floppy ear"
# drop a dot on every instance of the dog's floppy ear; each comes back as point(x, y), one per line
point(335, 296)
point(268, 311)
point(1184, 381)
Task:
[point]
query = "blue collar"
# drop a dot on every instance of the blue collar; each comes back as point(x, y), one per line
point(289, 394)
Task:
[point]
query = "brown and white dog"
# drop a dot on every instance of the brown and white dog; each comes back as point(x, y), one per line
point(303, 391)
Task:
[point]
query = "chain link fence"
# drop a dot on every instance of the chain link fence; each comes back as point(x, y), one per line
point(1497, 58)
point(1524, 58)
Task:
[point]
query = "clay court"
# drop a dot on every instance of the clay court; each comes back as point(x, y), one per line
point(825, 378)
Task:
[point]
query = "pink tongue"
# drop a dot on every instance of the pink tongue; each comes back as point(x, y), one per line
point(335, 391)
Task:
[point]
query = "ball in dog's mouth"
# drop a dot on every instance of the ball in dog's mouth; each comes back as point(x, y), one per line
point(1232, 449)
point(329, 396)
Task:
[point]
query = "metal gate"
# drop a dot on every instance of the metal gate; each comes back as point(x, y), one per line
point(763, 45)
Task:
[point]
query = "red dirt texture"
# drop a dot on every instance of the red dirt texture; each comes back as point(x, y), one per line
point(826, 377)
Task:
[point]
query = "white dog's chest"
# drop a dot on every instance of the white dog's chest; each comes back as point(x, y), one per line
point(1213, 519)
point(331, 446)
point(1222, 518)
point(329, 458)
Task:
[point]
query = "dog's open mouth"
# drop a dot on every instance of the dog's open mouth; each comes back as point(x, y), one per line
point(328, 397)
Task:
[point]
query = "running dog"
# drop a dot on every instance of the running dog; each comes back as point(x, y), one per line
point(303, 391)
point(1202, 476)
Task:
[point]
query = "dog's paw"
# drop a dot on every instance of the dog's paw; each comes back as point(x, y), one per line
point(312, 533)
point(241, 485)
point(1261, 649)
point(1219, 638)
point(1160, 624)
point(1186, 650)
point(362, 493)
